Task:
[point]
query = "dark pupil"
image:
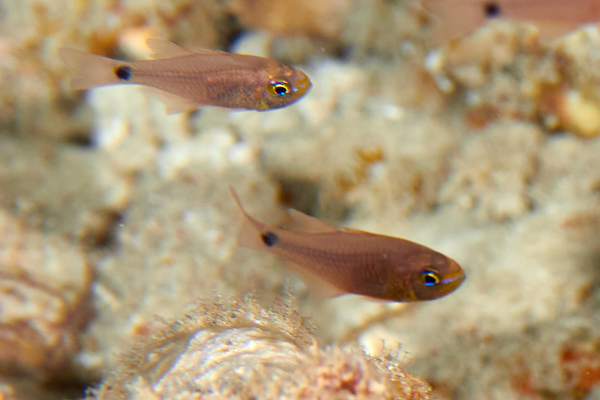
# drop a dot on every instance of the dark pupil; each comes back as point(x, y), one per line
point(429, 279)
point(280, 90)
point(123, 73)
point(492, 10)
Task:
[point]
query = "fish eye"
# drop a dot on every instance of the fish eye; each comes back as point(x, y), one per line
point(279, 88)
point(492, 9)
point(429, 278)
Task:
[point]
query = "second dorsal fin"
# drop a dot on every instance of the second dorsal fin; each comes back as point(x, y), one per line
point(165, 49)
point(307, 224)
point(202, 50)
point(352, 230)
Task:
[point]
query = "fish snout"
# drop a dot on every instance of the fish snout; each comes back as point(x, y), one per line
point(453, 280)
point(301, 84)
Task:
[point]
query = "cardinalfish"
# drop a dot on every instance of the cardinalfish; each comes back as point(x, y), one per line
point(186, 79)
point(351, 261)
point(456, 18)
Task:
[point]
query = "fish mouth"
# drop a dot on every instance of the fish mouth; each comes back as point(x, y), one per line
point(452, 281)
point(302, 84)
point(457, 278)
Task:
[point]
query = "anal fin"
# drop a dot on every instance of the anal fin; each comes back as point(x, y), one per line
point(317, 286)
point(173, 103)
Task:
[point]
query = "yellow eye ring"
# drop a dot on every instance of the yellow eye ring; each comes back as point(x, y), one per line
point(429, 278)
point(279, 88)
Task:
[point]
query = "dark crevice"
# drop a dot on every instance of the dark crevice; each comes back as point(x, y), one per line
point(302, 195)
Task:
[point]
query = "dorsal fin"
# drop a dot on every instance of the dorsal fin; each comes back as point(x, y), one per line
point(351, 230)
point(307, 224)
point(202, 50)
point(165, 49)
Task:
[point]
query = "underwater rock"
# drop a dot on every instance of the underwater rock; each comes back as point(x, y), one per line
point(7, 392)
point(294, 17)
point(224, 348)
point(375, 145)
point(493, 169)
point(579, 113)
point(44, 297)
point(503, 71)
point(554, 359)
point(65, 189)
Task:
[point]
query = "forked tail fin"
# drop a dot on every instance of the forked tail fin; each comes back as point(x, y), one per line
point(91, 69)
point(250, 233)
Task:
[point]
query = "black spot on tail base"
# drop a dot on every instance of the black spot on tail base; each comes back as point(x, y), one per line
point(492, 10)
point(269, 238)
point(123, 72)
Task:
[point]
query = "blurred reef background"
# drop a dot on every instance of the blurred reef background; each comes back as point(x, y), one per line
point(115, 218)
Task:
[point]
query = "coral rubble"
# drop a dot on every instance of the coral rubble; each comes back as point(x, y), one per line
point(503, 71)
point(485, 149)
point(44, 300)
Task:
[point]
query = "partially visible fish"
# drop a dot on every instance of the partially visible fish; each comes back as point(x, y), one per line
point(186, 79)
point(456, 18)
point(351, 261)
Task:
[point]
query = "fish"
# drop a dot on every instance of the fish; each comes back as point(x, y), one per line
point(185, 79)
point(348, 261)
point(454, 19)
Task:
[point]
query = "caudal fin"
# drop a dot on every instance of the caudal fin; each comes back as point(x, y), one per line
point(91, 69)
point(250, 233)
